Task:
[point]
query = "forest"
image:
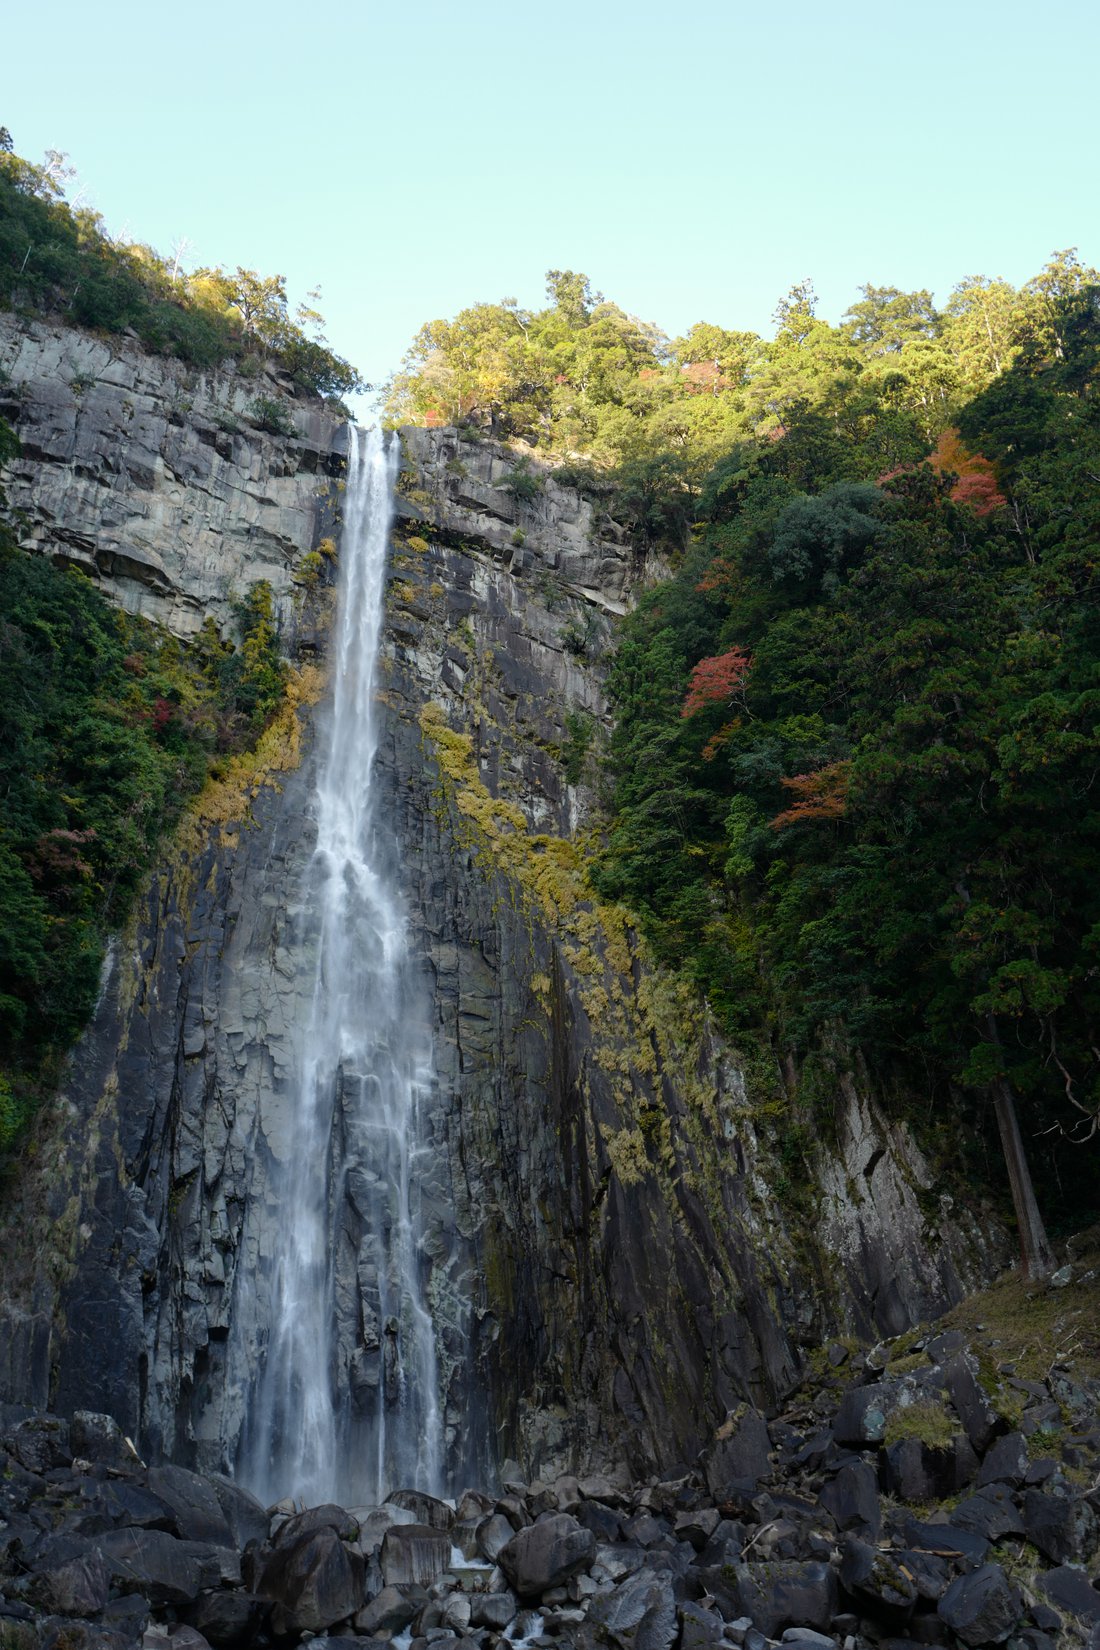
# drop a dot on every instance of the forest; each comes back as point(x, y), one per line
point(852, 781)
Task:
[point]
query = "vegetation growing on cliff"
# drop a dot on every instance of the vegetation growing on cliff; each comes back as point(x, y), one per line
point(857, 742)
point(57, 259)
point(107, 726)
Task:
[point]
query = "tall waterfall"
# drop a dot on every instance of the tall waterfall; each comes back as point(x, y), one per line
point(328, 1419)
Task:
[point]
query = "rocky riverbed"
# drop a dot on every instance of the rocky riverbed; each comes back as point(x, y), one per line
point(933, 1490)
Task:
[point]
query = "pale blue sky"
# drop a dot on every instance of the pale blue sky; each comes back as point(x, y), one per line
point(695, 158)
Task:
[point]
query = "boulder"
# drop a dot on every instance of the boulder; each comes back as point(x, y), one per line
point(981, 1607)
point(1006, 1462)
point(197, 1511)
point(640, 1614)
point(1070, 1589)
point(315, 1580)
point(99, 1438)
point(992, 1513)
point(328, 1516)
point(878, 1581)
point(1062, 1527)
point(414, 1554)
point(739, 1454)
point(39, 1443)
point(493, 1610)
point(545, 1554)
point(785, 1593)
point(426, 1509)
point(851, 1497)
point(151, 1562)
point(861, 1418)
point(972, 1405)
point(70, 1577)
point(391, 1610)
point(226, 1618)
point(246, 1517)
point(493, 1535)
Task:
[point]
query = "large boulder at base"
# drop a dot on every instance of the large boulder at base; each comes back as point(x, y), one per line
point(852, 1499)
point(247, 1518)
point(982, 1607)
point(391, 1610)
point(198, 1512)
point(70, 1577)
point(39, 1443)
point(546, 1554)
point(1071, 1590)
point(414, 1554)
point(426, 1509)
point(1063, 1527)
point(781, 1593)
point(99, 1438)
point(328, 1516)
point(226, 1618)
point(640, 1614)
point(879, 1582)
point(739, 1455)
point(151, 1562)
point(316, 1581)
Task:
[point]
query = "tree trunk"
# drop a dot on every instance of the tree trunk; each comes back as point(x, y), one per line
point(1037, 1255)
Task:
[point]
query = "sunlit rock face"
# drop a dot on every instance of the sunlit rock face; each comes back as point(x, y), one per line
point(153, 477)
point(609, 1264)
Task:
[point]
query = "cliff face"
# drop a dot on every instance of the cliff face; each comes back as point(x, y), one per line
point(153, 477)
point(611, 1267)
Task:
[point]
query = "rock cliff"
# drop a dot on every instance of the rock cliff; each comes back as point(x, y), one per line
point(616, 1256)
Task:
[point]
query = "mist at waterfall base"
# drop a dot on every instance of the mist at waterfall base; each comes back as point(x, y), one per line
point(327, 1420)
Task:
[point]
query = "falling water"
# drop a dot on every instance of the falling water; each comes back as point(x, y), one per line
point(354, 1130)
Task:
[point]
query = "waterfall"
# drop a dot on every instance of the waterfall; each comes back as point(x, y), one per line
point(335, 1414)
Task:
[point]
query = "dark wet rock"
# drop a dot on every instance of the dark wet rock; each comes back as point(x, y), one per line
point(197, 1511)
point(861, 1418)
point(783, 1594)
point(971, 1403)
point(851, 1498)
point(947, 1540)
point(640, 1614)
point(391, 1610)
point(162, 1568)
point(1006, 1462)
point(414, 1554)
point(545, 1554)
point(315, 1581)
point(700, 1627)
point(426, 1509)
point(739, 1455)
point(917, 1471)
point(494, 1534)
point(39, 1443)
point(992, 1512)
point(877, 1580)
point(981, 1607)
point(1070, 1589)
point(70, 1577)
point(227, 1619)
point(99, 1438)
point(125, 1502)
point(328, 1516)
point(493, 1610)
point(1063, 1527)
point(246, 1517)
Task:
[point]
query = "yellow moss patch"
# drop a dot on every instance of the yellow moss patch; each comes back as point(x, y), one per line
point(626, 1149)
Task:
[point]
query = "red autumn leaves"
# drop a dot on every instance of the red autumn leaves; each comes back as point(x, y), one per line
point(821, 794)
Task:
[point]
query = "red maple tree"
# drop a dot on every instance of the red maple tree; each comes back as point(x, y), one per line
point(716, 681)
point(822, 794)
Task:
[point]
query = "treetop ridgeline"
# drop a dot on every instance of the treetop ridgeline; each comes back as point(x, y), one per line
point(57, 259)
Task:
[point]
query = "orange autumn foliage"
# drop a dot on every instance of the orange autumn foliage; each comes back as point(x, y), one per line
point(977, 480)
point(819, 795)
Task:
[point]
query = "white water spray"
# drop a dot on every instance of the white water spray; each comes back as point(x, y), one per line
point(329, 1419)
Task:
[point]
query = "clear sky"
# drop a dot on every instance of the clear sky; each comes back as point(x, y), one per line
point(695, 158)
